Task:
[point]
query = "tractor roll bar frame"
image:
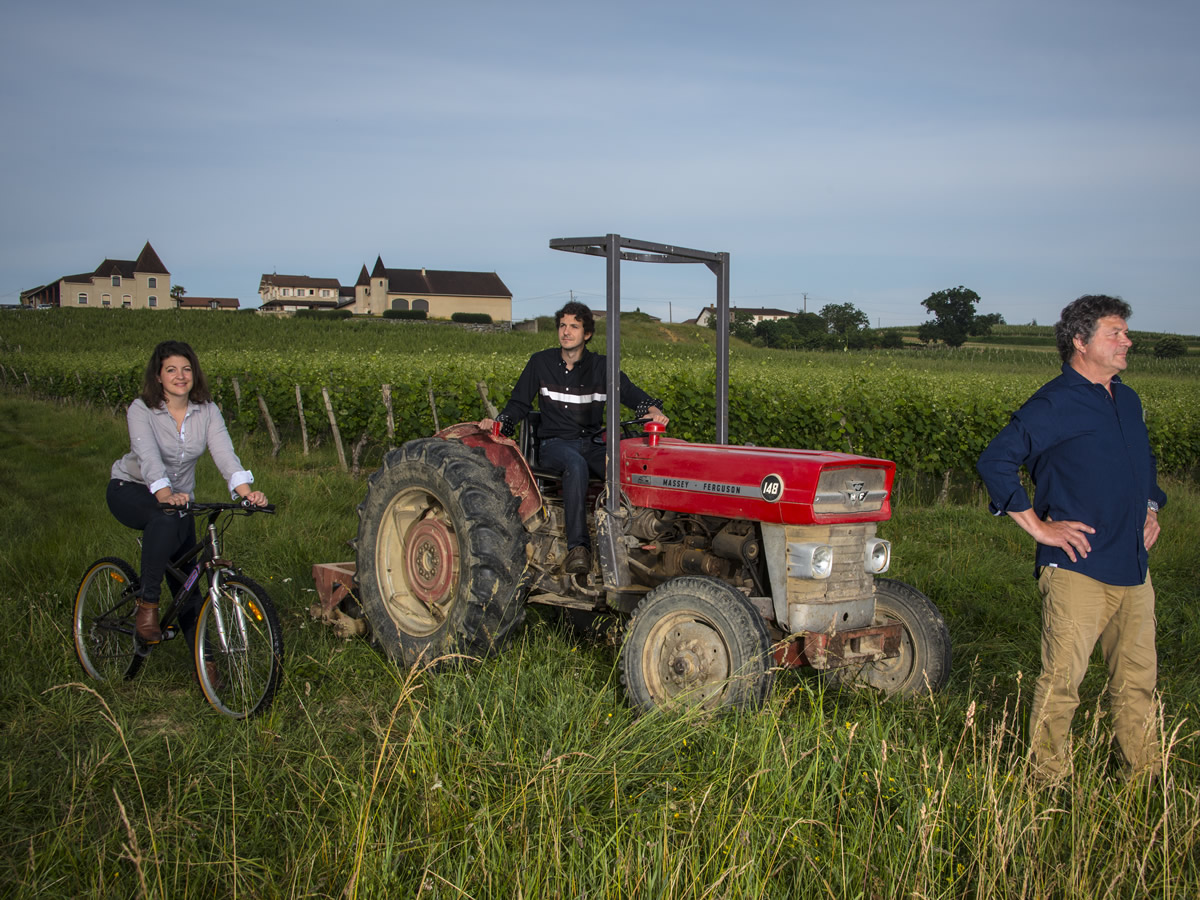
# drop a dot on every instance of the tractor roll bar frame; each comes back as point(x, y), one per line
point(615, 248)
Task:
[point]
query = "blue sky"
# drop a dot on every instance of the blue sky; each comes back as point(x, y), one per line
point(862, 152)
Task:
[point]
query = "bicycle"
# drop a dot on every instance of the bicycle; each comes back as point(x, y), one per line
point(238, 644)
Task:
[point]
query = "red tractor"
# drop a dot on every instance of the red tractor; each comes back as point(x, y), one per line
point(728, 561)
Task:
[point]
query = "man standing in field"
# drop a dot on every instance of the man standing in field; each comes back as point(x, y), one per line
point(569, 382)
point(1082, 437)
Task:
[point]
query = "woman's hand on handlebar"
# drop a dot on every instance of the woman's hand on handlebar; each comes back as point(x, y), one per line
point(255, 498)
point(170, 497)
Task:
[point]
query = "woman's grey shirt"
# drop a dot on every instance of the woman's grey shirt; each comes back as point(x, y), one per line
point(162, 455)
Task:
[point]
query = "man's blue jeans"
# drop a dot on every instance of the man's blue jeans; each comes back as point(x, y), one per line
point(574, 459)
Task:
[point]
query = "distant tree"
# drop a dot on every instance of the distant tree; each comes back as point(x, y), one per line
point(177, 292)
point(1170, 347)
point(843, 318)
point(801, 331)
point(741, 323)
point(982, 325)
point(954, 314)
point(891, 340)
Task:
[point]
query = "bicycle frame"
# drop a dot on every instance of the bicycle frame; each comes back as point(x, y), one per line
point(205, 556)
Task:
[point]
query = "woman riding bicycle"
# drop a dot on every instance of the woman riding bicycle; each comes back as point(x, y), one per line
point(170, 425)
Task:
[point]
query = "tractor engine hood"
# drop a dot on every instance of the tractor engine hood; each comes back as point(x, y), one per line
point(787, 487)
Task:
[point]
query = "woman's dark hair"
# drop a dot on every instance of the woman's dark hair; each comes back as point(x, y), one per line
point(152, 392)
point(1078, 320)
point(582, 313)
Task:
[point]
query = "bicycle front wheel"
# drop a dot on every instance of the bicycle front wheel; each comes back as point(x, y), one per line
point(239, 648)
point(103, 624)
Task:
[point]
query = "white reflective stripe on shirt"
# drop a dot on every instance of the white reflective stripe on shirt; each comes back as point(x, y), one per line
point(573, 398)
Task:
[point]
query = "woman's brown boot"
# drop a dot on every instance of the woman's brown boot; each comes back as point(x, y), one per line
point(145, 622)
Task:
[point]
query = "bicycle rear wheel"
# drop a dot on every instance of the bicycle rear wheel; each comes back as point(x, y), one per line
point(239, 648)
point(103, 623)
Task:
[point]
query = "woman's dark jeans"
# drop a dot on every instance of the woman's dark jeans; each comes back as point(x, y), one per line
point(164, 536)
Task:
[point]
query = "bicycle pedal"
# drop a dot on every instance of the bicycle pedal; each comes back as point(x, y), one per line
point(169, 633)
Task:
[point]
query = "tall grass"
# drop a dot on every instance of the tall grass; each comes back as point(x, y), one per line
point(527, 774)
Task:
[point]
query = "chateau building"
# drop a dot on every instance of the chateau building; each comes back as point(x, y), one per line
point(142, 283)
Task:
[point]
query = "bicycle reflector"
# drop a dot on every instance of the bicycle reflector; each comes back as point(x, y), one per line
point(117, 577)
point(254, 610)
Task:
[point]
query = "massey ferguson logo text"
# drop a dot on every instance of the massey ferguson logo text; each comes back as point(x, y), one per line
point(707, 487)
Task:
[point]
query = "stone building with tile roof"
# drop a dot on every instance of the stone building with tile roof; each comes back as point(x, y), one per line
point(142, 283)
point(439, 292)
point(290, 293)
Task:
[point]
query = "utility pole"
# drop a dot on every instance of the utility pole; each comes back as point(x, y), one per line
point(806, 301)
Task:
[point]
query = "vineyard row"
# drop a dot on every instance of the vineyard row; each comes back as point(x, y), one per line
point(928, 424)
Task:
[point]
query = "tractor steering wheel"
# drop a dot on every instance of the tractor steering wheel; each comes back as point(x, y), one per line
point(629, 424)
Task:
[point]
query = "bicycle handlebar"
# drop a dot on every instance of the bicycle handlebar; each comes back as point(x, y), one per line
point(192, 507)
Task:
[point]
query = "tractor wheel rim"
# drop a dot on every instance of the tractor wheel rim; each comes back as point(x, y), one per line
point(687, 657)
point(430, 561)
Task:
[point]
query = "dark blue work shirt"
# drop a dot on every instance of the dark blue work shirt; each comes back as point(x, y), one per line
point(1089, 457)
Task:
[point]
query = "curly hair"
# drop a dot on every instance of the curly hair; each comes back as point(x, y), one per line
point(152, 392)
point(582, 313)
point(1078, 320)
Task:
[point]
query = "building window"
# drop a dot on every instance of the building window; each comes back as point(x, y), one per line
point(421, 304)
point(287, 292)
point(126, 302)
point(153, 282)
point(400, 303)
point(152, 301)
point(116, 281)
point(83, 299)
point(324, 292)
point(105, 300)
point(214, 305)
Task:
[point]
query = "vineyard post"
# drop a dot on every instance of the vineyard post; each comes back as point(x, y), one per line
point(303, 427)
point(391, 419)
point(488, 406)
point(337, 435)
point(237, 394)
point(275, 443)
point(357, 454)
point(433, 406)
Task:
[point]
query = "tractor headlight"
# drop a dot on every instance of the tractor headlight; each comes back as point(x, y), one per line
point(809, 560)
point(877, 556)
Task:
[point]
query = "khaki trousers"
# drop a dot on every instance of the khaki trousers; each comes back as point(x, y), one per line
point(1076, 612)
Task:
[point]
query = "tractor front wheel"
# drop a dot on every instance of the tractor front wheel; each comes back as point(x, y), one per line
point(924, 660)
point(695, 642)
point(441, 553)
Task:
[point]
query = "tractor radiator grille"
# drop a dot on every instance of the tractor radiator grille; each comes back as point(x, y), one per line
point(849, 579)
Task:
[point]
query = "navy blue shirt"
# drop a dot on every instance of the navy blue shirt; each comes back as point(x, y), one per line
point(571, 402)
point(1089, 457)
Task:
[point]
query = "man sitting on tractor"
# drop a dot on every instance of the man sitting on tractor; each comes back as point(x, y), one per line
point(570, 383)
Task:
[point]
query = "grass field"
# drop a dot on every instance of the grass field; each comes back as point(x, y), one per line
point(527, 774)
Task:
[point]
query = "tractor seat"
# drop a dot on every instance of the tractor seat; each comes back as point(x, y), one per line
point(530, 444)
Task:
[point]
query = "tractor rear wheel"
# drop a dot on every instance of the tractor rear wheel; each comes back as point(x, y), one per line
point(924, 660)
point(696, 642)
point(441, 553)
